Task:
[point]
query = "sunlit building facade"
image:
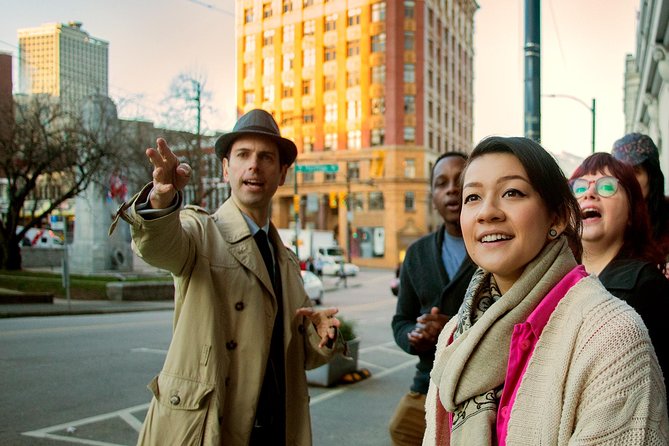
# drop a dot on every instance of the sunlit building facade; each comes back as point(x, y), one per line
point(378, 89)
point(63, 60)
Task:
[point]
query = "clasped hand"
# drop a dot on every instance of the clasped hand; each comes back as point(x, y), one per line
point(324, 322)
point(428, 327)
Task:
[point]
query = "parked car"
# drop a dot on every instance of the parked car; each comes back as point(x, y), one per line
point(331, 268)
point(41, 238)
point(313, 286)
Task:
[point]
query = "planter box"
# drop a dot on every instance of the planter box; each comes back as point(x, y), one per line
point(330, 373)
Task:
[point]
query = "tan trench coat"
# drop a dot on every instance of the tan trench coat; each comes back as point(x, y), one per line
point(207, 391)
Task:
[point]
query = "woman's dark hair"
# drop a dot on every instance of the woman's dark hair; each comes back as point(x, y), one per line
point(637, 239)
point(546, 178)
point(658, 209)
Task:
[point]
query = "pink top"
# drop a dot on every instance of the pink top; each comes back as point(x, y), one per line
point(524, 339)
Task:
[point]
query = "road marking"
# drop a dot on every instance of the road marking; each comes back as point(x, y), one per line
point(149, 350)
point(125, 414)
point(72, 329)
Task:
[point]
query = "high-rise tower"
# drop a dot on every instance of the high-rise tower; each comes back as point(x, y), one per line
point(379, 88)
point(63, 60)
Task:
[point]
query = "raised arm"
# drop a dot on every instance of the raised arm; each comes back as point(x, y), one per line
point(169, 176)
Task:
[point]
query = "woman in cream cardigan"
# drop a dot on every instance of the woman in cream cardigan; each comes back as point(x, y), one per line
point(539, 353)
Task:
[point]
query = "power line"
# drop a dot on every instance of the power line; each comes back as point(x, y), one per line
point(212, 7)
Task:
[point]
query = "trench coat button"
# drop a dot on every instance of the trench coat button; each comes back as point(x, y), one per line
point(301, 329)
point(239, 306)
point(175, 400)
point(231, 345)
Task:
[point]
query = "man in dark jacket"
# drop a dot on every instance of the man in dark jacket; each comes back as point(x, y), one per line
point(433, 279)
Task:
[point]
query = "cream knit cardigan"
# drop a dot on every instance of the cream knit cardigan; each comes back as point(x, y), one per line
point(593, 378)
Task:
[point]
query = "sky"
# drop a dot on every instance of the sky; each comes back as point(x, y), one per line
point(151, 42)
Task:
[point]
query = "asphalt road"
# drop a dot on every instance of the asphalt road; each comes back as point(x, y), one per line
point(82, 379)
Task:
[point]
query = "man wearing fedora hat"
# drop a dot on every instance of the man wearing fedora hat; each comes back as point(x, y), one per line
point(244, 329)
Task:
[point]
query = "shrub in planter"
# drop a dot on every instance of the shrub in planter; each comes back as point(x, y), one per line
point(330, 373)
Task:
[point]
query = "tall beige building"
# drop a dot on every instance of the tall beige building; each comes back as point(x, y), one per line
point(63, 60)
point(378, 89)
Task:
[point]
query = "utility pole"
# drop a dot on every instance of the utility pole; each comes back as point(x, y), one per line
point(533, 69)
point(593, 112)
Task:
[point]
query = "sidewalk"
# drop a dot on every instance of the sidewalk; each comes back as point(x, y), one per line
point(60, 307)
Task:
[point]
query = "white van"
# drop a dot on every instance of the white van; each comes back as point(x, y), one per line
point(41, 238)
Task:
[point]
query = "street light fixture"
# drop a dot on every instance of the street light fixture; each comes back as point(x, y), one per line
point(592, 109)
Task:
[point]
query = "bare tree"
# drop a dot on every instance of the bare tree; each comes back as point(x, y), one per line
point(186, 104)
point(48, 145)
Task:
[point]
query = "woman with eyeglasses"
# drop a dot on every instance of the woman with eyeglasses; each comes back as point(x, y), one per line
point(618, 245)
point(539, 352)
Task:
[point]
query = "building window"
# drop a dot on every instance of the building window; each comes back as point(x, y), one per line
point(378, 106)
point(353, 17)
point(249, 97)
point(307, 143)
point(331, 22)
point(287, 91)
point(307, 3)
point(268, 37)
point(379, 12)
point(309, 57)
point(309, 27)
point(409, 201)
point(289, 33)
point(330, 83)
point(409, 134)
point(375, 201)
point(248, 15)
point(268, 93)
point(288, 61)
point(379, 74)
point(357, 201)
point(409, 73)
point(307, 177)
point(353, 110)
point(287, 6)
point(352, 78)
point(307, 87)
point(330, 53)
point(249, 43)
point(353, 48)
point(267, 10)
point(330, 177)
point(330, 112)
point(409, 41)
point(378, 137)
point(286, 118)
point(330, 141)
point(379, 43)
point(409, 104)
point(249, 71)
point(268, 66)
point(353, 170)
point(354, 140)
point(409, 168)
point(308, 116)
point(409, 9)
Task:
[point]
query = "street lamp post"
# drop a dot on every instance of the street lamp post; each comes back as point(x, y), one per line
point(593, 111)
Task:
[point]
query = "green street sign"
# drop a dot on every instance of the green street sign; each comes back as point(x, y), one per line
point(329, 168)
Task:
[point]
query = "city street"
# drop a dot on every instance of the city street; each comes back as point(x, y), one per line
point(82, 379)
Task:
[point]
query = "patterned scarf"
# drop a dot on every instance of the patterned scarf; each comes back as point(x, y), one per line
point(471, 385)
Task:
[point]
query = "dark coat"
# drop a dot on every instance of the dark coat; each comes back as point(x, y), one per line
point(644, 288)
point(424, 283)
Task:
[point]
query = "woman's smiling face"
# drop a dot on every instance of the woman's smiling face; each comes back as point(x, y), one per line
point(504, 220)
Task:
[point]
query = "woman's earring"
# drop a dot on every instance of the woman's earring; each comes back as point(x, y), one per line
point(552, 233)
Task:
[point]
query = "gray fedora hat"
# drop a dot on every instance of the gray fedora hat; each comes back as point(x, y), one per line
point(257, 122)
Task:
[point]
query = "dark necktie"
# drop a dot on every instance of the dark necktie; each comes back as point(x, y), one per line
point(263, 245)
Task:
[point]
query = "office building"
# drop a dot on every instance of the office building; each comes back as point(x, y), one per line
point(63, 60)
point(376, 88)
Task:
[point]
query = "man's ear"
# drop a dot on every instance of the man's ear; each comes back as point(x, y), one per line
point(225, 163)
point(284, 172)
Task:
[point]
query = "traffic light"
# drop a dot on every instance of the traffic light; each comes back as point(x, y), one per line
point(342, 199)
point(377, 164)
point(333, 200)
point(296, 203)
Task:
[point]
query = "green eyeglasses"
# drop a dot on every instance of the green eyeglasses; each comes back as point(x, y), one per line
point(604, 186)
